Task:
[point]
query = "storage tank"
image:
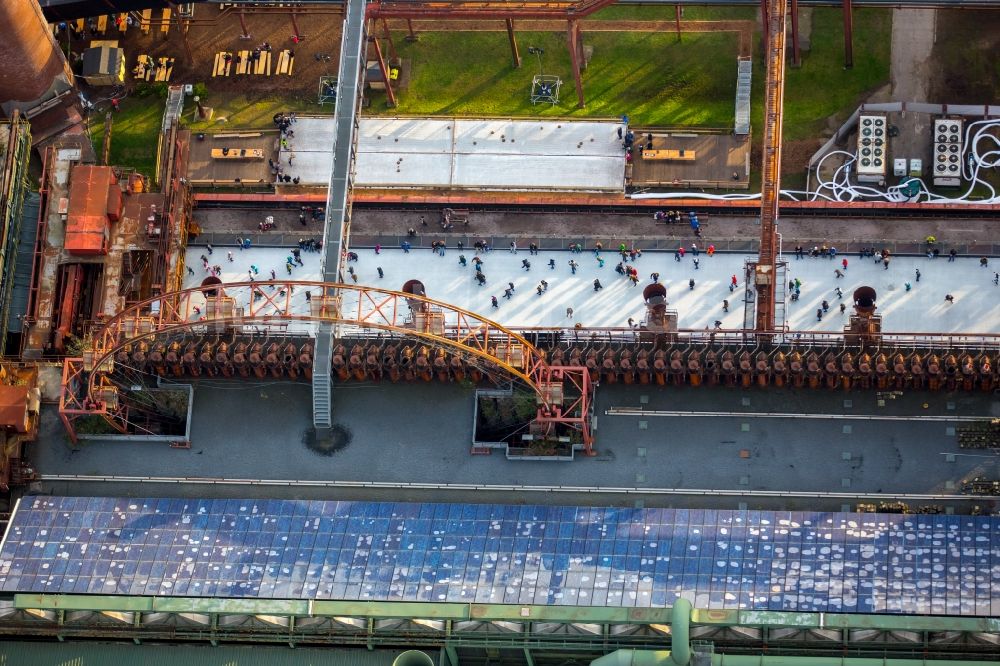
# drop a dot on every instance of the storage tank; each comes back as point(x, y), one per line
point(32, 67)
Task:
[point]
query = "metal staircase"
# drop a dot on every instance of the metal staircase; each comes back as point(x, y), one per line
point(744, 73)
point(321, 388)
point(337, 230)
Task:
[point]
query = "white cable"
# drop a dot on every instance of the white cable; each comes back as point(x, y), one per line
point(839, 187)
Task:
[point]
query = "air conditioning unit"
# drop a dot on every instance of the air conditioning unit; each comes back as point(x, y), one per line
point(872, 148)
point(947, 153)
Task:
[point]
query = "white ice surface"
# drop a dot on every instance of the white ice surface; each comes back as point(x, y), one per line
point(922, 310)
point(507, 154)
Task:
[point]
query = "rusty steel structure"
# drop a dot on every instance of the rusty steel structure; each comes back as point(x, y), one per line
point(765, 270)
point(471, 344)
point(483, 10)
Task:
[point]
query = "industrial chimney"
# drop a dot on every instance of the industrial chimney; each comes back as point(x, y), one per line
point(33, 69)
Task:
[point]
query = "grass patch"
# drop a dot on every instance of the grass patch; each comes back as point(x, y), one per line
point(666, 13)
point(822, 89)
point(649, 76)
point(249, 111)
point(134, 135)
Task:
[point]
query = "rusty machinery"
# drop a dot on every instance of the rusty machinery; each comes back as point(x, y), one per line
point(765, 269)
point(454, 344)
point(405, 336)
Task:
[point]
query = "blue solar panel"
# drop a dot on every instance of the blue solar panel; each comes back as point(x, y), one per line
point(829, 562)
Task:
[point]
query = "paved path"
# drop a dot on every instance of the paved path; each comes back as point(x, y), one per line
point(912, 45)
point(385, 226)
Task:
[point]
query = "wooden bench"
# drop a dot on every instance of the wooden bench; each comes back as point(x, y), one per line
point(143, 68)
point(122, 22)
point(165, 24)
point(286, 62)
point(222, 66)
point(165, 69)
point(102, 23)
point(242, 62)
point(147, 16)
point(263, 65)
point(665, 154)
point(237, 154)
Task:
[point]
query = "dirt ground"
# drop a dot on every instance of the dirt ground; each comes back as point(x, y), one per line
point(967, 57)
point(214, 29)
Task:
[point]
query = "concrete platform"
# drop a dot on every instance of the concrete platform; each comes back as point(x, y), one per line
point(204, 170)
point(722, 161)
point(471, 154)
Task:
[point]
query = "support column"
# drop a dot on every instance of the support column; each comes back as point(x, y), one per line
point(574, 56)
point(243, 26)
point(796, 54)
point(295, 29)
point(763, 27)
point(411, 36)
point(513, 43)
point(848, 35)
point(388, 37)
point(390, 95)
point(677, 20)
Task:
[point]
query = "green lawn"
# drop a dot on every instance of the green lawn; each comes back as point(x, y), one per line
point(249, 111)
point(649, 76)
point(134, 133)
point(822, 88)
point(666, 13)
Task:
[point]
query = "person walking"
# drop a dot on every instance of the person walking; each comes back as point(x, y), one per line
point(917, 273)
point(843, 308)
point(209, 248)
point(494, 302)
point(461, 260)
point(725, 306)
point(952, 254)
point(837, 272)
point(507, 293)
point(996, 278)
point(513, 247)
point(545, 285)
point(696, 263)
point(844, 263)
point(655, 277)
point(840, 292)
point(819, 314)
point(984, 262)
point(525, 264)
point(511, 285)
point(885, 261)
point(691, 284)
point(949, 298)
point(380, 273)
point(597, 285)
point(378, 249)
point(569, 313)
point(825, 306)
point(573, 266)
point(229, 256)
point(552, 264)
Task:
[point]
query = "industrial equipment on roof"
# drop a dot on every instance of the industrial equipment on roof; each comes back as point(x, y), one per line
point(104, 66)
point(95, 200)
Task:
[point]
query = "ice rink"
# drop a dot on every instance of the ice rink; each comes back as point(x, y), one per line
point(490, 154)
point(976, 308)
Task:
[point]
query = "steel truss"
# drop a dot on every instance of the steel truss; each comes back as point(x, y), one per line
point(88, 388)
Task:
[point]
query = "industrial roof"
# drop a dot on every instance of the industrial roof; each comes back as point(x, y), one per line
point(81, 653)
point(14, 407)
point(87, 220)
point(24, 263)
point(382, 551)
point(101, 60)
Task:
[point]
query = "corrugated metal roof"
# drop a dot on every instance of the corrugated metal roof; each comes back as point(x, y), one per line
point(87, 221)
point(128, 654)
point(23, 263)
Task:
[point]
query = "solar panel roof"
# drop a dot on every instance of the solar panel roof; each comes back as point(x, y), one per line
point(830, 562)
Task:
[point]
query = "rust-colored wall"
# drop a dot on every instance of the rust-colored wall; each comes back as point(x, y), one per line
point(30, 60)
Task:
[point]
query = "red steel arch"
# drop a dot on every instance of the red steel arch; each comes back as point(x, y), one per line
point(87, 390)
